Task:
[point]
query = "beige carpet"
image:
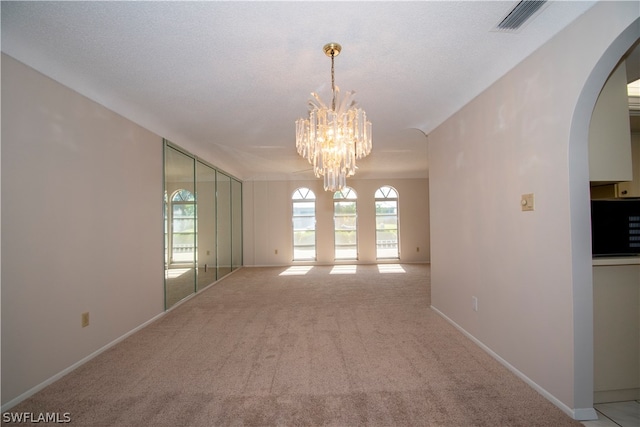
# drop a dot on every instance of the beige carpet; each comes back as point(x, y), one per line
point(266, 347)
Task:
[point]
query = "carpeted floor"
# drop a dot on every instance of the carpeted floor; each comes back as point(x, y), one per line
point(277, 346)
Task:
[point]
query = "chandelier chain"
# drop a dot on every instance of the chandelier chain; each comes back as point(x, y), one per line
point(333, 84)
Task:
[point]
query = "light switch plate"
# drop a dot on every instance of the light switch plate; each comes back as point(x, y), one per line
point(526, 202)
point(85, 319)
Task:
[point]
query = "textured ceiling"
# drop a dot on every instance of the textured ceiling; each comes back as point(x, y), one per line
point(227, 80)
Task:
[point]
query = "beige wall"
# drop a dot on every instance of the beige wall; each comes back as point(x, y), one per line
point(531, 271)
point(81, 228)
point(268, 227)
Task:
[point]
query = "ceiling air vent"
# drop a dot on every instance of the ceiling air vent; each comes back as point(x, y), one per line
point(524, 10)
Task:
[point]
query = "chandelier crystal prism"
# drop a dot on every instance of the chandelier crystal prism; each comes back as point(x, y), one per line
point(334, 137)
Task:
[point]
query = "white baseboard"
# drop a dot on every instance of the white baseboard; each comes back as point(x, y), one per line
point(607, 396)
point(82, 361)
point(580, 414)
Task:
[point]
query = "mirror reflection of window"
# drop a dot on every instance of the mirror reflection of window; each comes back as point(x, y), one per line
point(183, 227)
point(180, 227)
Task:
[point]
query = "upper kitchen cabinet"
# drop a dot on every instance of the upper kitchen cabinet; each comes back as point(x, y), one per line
point(632, 188)
point(610, 158)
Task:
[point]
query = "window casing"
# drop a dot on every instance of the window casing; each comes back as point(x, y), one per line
point(345, 220)
point(304, 224)
point(386, 204)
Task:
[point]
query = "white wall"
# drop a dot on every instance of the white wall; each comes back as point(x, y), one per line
point(267, 220)
point(81, 227)
point(527, 269)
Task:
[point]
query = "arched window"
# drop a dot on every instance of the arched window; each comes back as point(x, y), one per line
point(387, 223)
point(304, 224)
point(183, 227)
point(345, 222)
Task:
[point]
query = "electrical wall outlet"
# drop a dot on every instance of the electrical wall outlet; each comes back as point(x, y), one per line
point(85, 319)
point(474, 303)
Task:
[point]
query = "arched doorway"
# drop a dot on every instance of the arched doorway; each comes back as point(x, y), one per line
point(581, 220)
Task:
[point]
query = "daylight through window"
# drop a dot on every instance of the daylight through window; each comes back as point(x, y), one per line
point(304, 224)
point(387, 223)
point(345, 222)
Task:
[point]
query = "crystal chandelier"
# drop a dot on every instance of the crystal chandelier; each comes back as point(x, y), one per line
point(333, 138)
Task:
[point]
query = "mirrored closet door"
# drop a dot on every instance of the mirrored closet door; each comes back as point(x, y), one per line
point(180, 226)
point(203, 224)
